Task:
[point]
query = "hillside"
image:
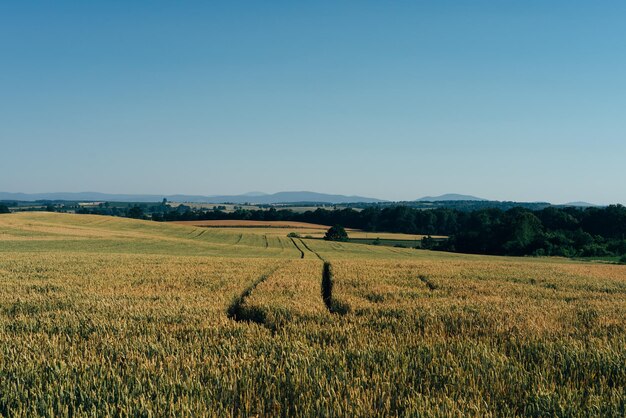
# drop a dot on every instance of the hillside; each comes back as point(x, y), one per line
point(449, 197)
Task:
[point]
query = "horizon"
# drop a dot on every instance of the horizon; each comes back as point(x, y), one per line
point(261, 193)
point(503, 101)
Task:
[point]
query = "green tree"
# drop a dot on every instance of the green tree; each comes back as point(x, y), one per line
point(524, 230)
point(4, 209)
point(428, 243)
point(135, 212)
point(336, 233)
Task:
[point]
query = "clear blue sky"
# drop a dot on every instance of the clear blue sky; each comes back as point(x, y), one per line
point(509, 100)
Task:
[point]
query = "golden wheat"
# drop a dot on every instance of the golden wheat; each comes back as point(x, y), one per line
point(101, 317)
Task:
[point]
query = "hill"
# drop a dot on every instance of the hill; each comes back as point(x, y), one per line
point(580, 204)
point(292, 197)
point(449, 197)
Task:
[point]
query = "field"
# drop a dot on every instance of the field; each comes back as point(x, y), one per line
point(255, 224)
point(109, 316)
point(229, 208)
point(303, 229)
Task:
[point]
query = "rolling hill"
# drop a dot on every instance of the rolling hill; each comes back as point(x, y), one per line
point(449, 197)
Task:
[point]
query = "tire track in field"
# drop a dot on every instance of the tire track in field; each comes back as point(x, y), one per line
point(429, 283)
point(398, 251)
point(314, 252)
point(237, 311)
point(98, 222)
point(239, 239)
point(196, 233)
point(333, 305)
point(267, 244)
point(299, 249)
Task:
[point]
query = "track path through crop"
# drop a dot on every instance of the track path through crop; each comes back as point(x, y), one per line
point(332, 304)
point(428, 282)
point(299, 249)
point(236, 310)
point(309, 248)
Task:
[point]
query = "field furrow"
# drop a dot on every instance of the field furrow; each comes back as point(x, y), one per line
point(291, 294)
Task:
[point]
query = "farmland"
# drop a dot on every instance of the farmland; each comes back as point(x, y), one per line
point(112, 316)
point(253, 224)
point(301, 228)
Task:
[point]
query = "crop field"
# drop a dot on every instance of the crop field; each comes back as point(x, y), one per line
point(108, 316)
point(358, 234)
point(303, 229)
point(252, 224)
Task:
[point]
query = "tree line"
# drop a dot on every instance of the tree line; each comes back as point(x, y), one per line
point(553, 231)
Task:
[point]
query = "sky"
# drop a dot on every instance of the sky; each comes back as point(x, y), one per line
point(505, 100)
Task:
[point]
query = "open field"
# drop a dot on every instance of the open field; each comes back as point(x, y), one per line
point(362, 235)
point(112, 316)
point(301, 228)
point(320, 232)
point(226, 207)
point(255, 224)
point(229, 208)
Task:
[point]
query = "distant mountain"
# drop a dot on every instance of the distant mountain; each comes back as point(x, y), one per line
point(292, 197)
point(253, 197)
point(100, 197)
point(449, 197)
point(254, 194)
point(82, 196)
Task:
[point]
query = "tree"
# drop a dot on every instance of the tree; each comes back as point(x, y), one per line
point(522, 230)
point(336, 233)
point(428, 243)
point(4, 209)
point(135, 212)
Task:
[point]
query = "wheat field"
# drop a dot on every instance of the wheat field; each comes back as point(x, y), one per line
point(105, 316)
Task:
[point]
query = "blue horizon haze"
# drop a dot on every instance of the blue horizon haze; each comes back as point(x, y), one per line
point(505, 100)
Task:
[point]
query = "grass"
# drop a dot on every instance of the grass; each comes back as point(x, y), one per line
point(607, 259)
point(107, 316)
